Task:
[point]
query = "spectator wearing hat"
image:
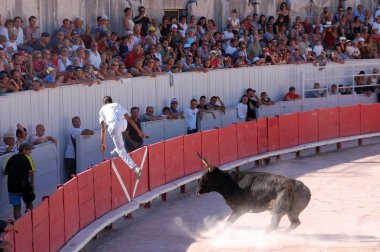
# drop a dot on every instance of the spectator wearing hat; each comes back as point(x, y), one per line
point(40, 136)
point(291, 95)
point(37, 84)
point(175, 113)
point(191, 37)
point(102, 28)
point(175, 35)
point(142, 19)
point(9, 145)
point(43, 42)
point(151, 39)
point(329, 35)
point(51, 80)
point(20, 174)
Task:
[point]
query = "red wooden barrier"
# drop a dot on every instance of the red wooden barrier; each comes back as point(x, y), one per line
point(41, 226)
point(227, 144)
point(86, 198)
point(273, 134)
point(156, 155)
point(349, 120)
point(246, 135)
point(102, 188)
point(71, 208)
point(262, 135)
point(118, 195)
point(24, 235)
point(143, 185)
point(308, 127)
point(328, 123)
point(288, 130)
point(210, 146)
point(191, 145)
point(369, 118)
point(174, 168)
point(56, 220)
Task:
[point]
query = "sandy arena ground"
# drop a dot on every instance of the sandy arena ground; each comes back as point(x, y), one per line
point(343, 214)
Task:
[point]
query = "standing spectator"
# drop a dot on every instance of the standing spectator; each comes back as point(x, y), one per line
point(9, 145)
point(265, 99)
point(71, 149)
point(143, 20)
point(43, 42)
point(117, 119)
point(291, 95)
point(252, 104)
point(5, 227)
point(242, 107)
point(133, 139)
point(30, 29)
point(20, 180)
point(127, 20)
point(40, 137)
point(191, 115)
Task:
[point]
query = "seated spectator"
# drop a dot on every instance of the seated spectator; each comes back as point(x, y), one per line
point(132, 56)
point(212, 104)
point(347, 90)
point(373, 79)
point(191, 115)
point(133, 140)
point(152, 67)
point(174, 111)
point(51, 80)
point(316, 93)
point(5, 227)
point(265, 99)
point(149, 115)
point(138, 70)
point(16, 77)
point(103, 70)
point(242, 107)
point(40, 137)
point(360, 81)
point(166, 113)
point(71, 148)
point(7, 84)
point(37, 84)
point(114, 70)
point(334, 90)
point(292, 95)
point(353, 50)
point(9, 145)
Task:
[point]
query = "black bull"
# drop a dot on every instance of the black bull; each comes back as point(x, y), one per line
point(257, 192)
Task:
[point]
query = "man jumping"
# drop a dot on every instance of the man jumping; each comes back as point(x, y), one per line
point(117, 119)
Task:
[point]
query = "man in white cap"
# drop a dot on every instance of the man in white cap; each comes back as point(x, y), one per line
point(117, 119)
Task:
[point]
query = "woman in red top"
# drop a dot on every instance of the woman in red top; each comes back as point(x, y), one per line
point(37, 62)
point(329, 36)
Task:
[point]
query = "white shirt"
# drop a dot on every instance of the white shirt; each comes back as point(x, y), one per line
point(11, 44)
point(95, 59)
point(318, 49)
point(191, 118)
point(112, 112)
point(353, 51)
point(376, 26)
point(230, 50)
point(227, 35)
point(70, 151)
point(62, 66)
point(20, 36)
point(4, 31)
point(184, 30)
point(242, 110)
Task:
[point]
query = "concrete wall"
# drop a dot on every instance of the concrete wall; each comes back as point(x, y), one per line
point(50, 13)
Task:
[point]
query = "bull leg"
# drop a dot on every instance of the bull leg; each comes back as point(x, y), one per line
point(233, 217)
point(294, 220)
point(280, 209)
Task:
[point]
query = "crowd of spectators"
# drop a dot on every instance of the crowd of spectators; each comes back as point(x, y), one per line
point(80, 53)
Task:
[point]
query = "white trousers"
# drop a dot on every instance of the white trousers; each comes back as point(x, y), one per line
point(116, 130)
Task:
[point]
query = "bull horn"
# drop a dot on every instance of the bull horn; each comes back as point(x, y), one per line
point(209, 166)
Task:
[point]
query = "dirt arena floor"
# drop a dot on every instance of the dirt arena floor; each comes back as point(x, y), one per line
point(343, 214)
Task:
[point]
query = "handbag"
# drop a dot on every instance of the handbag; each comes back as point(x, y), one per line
point(27, 194)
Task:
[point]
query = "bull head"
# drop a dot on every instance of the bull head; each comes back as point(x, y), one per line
point(209, 167)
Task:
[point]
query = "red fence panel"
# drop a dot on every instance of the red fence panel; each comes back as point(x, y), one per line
point(191, 145)
point(227, 144)
point(118, 196)
point(71, 208)
point(156, 154)
point(370, 118)
point(273, 134)
point(262, 135)
point(328, 123)
point(41, 226)
point(56, 220)
point(143, 185)
point(210, 146)
point(102, 188)
point(174, 168)
point(349, 120)
point(24, 235)
point(308, 127)
point(288, 130)
point(86, 198)
point(246, 135)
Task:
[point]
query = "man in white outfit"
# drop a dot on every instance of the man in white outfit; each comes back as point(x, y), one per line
point(117, 119)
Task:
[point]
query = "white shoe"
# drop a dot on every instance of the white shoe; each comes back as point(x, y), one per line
point(114, 152)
